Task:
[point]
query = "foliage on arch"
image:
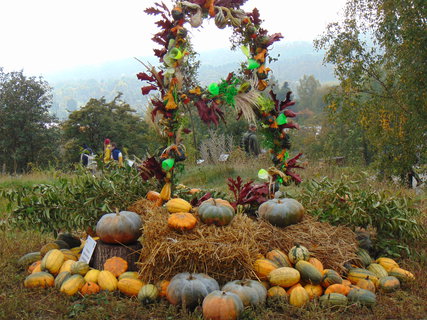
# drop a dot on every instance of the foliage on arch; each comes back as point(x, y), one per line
point(241, 93)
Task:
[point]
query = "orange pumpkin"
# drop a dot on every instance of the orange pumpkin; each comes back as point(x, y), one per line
point(162, 286)
point(297, 285)
point(313, 290)
point(366, 284)
point(33, 266)
point(90, 288)
point(182, 221)
point(116, 266)
point(263, 267)
point(154, 197)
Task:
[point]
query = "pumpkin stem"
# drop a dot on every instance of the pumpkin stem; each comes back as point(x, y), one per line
point(117, 211)
point(214, 202)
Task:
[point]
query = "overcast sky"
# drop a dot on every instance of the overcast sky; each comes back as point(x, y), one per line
point(43, 36)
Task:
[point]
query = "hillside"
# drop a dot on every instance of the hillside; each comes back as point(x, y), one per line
point(73, 88)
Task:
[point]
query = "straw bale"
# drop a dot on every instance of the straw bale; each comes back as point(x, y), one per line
point(228, 253)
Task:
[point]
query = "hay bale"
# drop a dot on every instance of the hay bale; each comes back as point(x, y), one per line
point(228, 253)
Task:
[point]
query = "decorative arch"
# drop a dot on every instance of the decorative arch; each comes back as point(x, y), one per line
point(241, 93)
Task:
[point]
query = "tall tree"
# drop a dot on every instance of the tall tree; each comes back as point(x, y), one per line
point(380, 55)
point(100, 119)
point(28, 132)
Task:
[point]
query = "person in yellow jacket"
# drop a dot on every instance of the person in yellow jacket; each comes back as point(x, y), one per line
point(107, 151)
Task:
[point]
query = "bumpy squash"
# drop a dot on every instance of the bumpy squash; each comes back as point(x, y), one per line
point(309, 274)
point(39, 280)
point(148, 294)
point(189, 290)
point(299, 297)
point(116, 265)
point(278, 257)
point(130, 287)
point(221, 305)
point(251, 292)
point(263, 267)
point(182, 221)
point(284, 277)
point(52, 261)
point(90, 288)
point(389, 284)
point(107, 281)
point(162, 286)
point(178, 205)
point(72, 285)
point(297, 253)
point(281, 212)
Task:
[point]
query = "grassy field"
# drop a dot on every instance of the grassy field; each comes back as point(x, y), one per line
point(16, 302)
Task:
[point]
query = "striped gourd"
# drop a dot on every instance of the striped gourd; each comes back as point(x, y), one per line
point(378, 270)
point(357, 274)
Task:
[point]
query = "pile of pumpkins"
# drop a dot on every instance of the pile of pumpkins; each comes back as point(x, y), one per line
point(302, 278)
point(60, 268)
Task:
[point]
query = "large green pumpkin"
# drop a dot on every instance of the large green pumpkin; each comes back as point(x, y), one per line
point(281, 212)
point(122, 227)
point(216, 211)
point(189, 290)
point(251, 292)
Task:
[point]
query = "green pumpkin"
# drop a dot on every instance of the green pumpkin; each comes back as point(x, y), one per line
point(281, 212)
point(189, 290)
point(251, 292)
point(389, 284)
point(29, 258)
point(298, 253)
point(216, 211)
point(364, 257)
point(71, 240)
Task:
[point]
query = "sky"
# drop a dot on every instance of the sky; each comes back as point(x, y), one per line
point(47, 36)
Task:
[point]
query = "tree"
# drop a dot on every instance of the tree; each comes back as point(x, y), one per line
point(29, 135)
point(100, 119)
point(307, 90)
point(380, 51)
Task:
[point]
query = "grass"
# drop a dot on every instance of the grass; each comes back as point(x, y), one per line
point(19, 303)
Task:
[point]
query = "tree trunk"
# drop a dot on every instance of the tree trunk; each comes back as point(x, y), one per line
point(104, 251)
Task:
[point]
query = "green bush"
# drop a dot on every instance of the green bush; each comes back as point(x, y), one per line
point(395, 218)
point(75, 203)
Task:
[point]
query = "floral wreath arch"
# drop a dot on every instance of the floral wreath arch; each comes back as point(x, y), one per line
point(243, 94)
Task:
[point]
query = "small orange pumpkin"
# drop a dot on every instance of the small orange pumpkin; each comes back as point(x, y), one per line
point(154, 197)
point(116, 266)
point(90, 288)
point(162, 286)
point(366, 284)
point(338, 288)
point(33, 266)
point(297, 285)
point(182, 221)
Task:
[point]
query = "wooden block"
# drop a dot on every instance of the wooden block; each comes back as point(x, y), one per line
point(104, 251)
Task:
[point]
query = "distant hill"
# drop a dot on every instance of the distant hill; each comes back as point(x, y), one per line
point(73, 88)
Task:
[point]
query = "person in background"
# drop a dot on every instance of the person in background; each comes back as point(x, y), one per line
point(86, 155)
point(249, 141)
point(107, 151)
point(116, 154)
